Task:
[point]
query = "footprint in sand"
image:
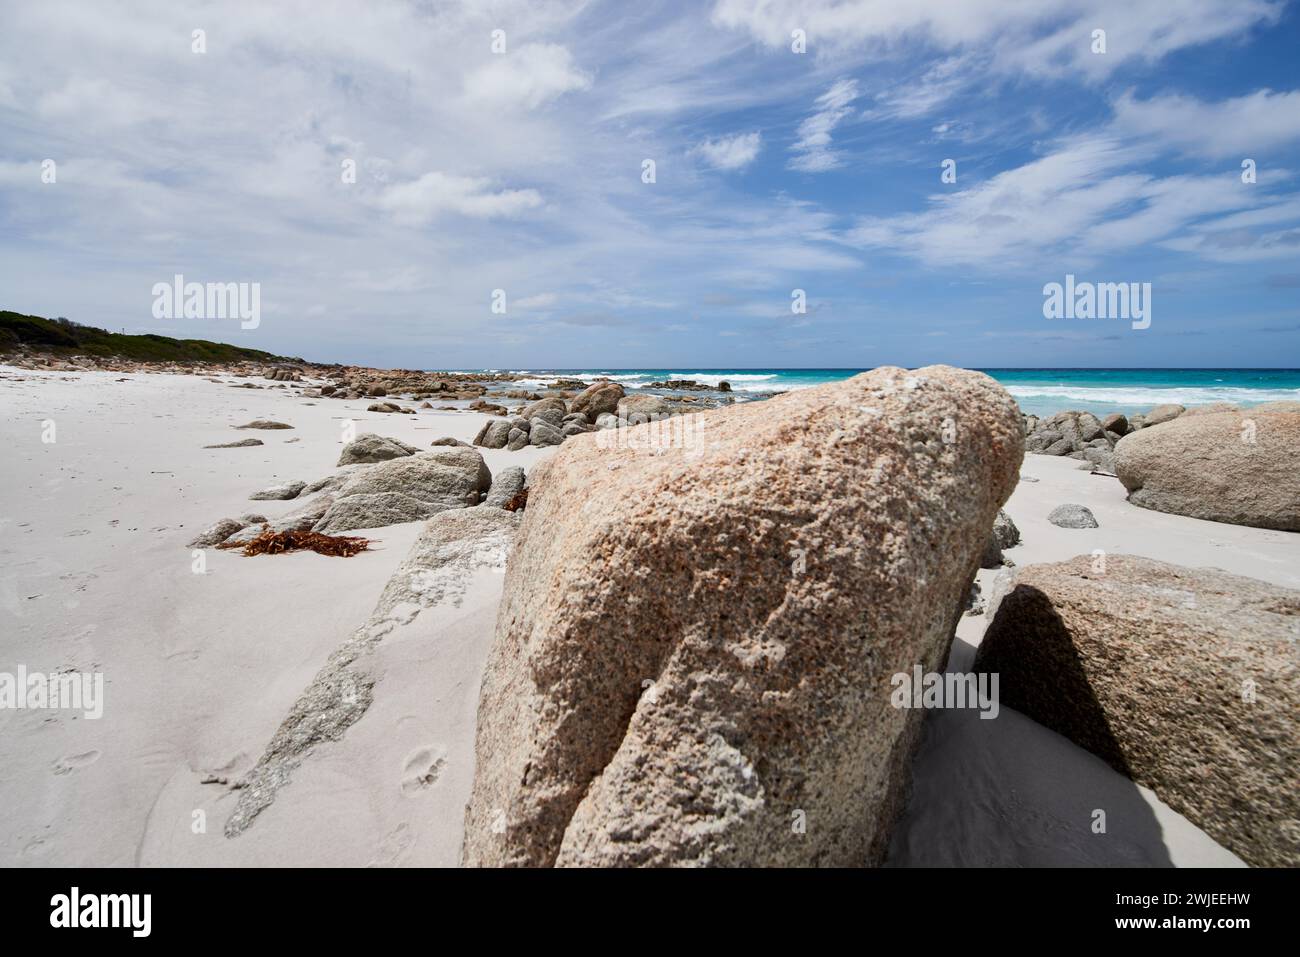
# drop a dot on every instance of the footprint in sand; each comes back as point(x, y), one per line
point(422, 768)
point(74, 761)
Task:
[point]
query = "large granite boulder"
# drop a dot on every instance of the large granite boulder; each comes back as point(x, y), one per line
point(639, 409)
point(597, 399)
point(408, 489)
point(1162, 414)
point(1184, 679)
point(375, 510)
point(533, 409)
point(694, 651)
point(1234, 467)
point(374, 448)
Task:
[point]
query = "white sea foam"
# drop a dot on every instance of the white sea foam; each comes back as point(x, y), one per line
point(1136, 396)
point(713, 378)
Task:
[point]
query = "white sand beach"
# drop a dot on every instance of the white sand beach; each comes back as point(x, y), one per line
point(200, 669)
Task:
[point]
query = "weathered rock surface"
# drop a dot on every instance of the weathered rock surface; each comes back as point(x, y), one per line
point(374, 448)
point(217, 533)
point(282, 492)
point(407, 489)
point(1072, 516)
point(1234, 467)
point(241, 444)
point(638, 409)
point(1115, 422)
point(552, 417)
point(1187, 680)
point(494, 434)
point(1211, 408)
point(386, 407)
point(1280, 405)
point(1162, 414)
point(300, 520)
point(696, 644)
point(533, 409)
point(1004, 535)
point(1005, 532)
point(327, 484)
point(264, 424)
point(543, 433)
point(506, 484)
point(598, 399)
point(375, 510)
point(1100, 460)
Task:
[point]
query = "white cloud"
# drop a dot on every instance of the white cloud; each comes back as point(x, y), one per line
point(1048, 37)
point(813, 148)
point(1083, 200)
point(531, 75)
point(96, 102)
point(1268, 232)
point(1245, 126)
point(931, 90)
point(539, 301)
point(433, 194)
point(169, 161)
point(730, 152)
point(403, 279)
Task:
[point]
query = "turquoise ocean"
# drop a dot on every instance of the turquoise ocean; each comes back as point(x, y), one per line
point(1038, 391)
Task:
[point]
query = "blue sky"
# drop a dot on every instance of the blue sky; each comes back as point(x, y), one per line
point(774, 171)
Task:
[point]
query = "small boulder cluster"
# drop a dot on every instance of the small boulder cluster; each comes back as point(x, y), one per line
point(1216, 462)
point(1083, 436)
point(551, 420)
point(355, 382)
point(382, 481)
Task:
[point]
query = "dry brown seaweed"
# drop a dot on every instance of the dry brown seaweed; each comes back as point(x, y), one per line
point(518, 501)
point(273, 543)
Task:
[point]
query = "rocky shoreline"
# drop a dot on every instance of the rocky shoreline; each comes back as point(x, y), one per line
point(1216, 462)
point(710, 590)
